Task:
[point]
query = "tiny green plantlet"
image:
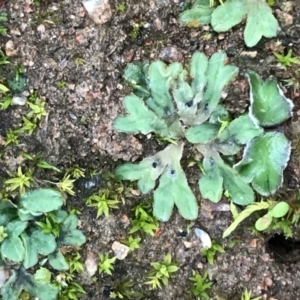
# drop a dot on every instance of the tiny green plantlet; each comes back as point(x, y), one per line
point(276, 210)
point(260, 20)
point(21, 181)
point(247, 296)
point(75, 263)
point(287, 60)
point(178, 104)
point(11, 138)
point(210, 253)
point(132, 243)
point(161, 272)
point(124, 290)
point(201, 285)
point(106, 264)
point(102, 202)
point(76, 172)
point(143, 220)
point(26, 242)
point(66, 185)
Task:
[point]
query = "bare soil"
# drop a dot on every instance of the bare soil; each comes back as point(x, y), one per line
point(48, 37)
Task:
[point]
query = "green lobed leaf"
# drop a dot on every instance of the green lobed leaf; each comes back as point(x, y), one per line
point(150, 168)
point(241, 130)
point(197, 15)
point(203, 133)
point(229, 14)
point(69, 234)
point(161, 78)
point(12, 248)
point(42, 275)
point(239, 191)
point(218, 76)
point(173, 188)
point(12, 288)
point(38, 242)
point(139, 118)
point(269, 106)
point(264, 159)
point(211, 182)
point(8, 212)
point(41, 200)
point(218, 176)
point(57, 261)
point(260, 21)
point(15, 228)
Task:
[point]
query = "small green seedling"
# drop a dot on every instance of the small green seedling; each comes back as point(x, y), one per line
point(79, 61)
point(75, 263)
point(287, 60)
point(72, 290)
point(102, 202)
point(143, 220)
point(275, 210)
point(21, 181)
point(11, 138)
point(132, 243)
point(50, 225)
point(6, 100)
point(210, 253)
point(66, 185)
point(247, 296)
point(121, 7)
point(61, 84)
point(28, 127)
point(76, 172)
point(123, 290)
point(106, 264)
point(161, 272)
point(200, 285)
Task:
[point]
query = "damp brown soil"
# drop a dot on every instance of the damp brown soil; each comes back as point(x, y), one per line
point(81, 102)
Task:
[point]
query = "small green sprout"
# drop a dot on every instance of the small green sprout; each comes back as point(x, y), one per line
point(61, 84)
point(143, 220)
point(3, 235)
point(51, 225)
point(106, 264)
point(37, 110)
point(75, 263)
point(11, 138)
point(123, 290)
point(211, 252)
point(161, 272)
point(247, 296)
point(6, 100)
point(28, 127)
point(121, 7)
point(44, 165)
point(132, 243)
point(76, 172)
point(200, 285)
point(287, 60)
point(19, 182)
point(70, 291)
point(79, 62)
point(66, 185)
point(102, 202)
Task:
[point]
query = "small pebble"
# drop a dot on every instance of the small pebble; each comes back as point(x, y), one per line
point(120, 250)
